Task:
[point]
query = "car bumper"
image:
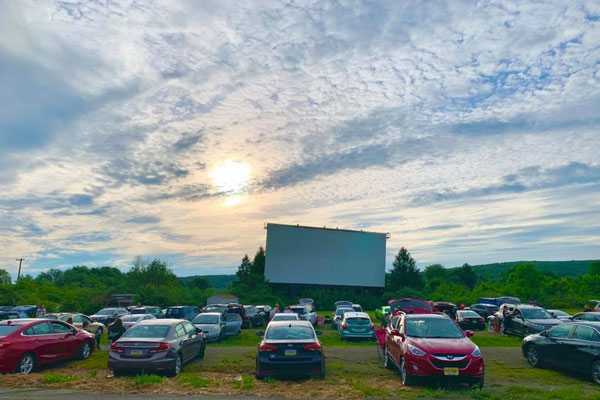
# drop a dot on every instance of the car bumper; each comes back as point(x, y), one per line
point(157, 362)
point(364, 335)
point(268, 367)
point(424, 367)
point(212, 336)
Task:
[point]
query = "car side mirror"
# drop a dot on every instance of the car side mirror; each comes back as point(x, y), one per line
point(469, 333)
point(319, 333)
point(260, 333)
point(544, 333)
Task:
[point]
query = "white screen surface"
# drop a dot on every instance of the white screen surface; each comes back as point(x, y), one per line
point(318, 256)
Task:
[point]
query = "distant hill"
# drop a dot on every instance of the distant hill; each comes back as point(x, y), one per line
point(216, 281)
point(560, 268)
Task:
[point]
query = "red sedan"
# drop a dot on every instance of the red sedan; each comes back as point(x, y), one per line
point(432, 345)
point(28, 343)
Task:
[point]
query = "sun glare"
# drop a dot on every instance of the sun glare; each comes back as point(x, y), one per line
point(230, 177)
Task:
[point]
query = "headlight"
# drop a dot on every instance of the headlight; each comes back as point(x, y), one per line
point(416, 351)
point(476, 352)
point(215, 328)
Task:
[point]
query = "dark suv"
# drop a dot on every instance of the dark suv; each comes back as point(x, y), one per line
point(525, 320)
point(182, 312)
point(251, 316)
point(485, 310)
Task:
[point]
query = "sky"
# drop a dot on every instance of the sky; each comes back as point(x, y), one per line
point(175, 129)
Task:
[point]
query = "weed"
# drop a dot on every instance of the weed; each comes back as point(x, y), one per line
point(245, 383)
point(148, 379)
point(194, 380)
point(369, 391)
point(94, 373)
point(53, 377)
point(271, 382)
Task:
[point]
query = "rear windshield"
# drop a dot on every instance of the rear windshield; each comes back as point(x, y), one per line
point(106, 311)
point(358, 321)
point(139, 311)
point(214, 308)
point(341, 311)
point(147, 331)
point(433, 328)
point(287, 332)
point(132, 318)
point(411, 304)
point(206, 319)
point(288, 317)
point(468, 314)
point(299, 310)
point(174, 311)
point(535, 313)
point(6, 330)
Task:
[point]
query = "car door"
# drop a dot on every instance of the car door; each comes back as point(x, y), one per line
point(182, 339)
point(553, 349)
point(194, 339)
point(514, 323)
point(392, 341)
point(44, 342)
point(582, 348)
point(67, 342)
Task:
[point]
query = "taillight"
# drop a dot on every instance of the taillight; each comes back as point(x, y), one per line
point(344, 325)
point(267, 347)
point(462, 320)
point(117, 348)
point(372, 326)
point(313, 347)
point(160, 347)
point(4, 345)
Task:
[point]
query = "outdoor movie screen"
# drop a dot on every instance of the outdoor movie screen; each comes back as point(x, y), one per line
point(319, 256)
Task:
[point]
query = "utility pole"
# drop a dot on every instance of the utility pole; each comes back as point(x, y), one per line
point(20, 260)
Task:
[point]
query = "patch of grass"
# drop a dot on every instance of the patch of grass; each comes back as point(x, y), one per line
point(97, 360)
point(493, 339)
point(93, 373)
point(245, 383)
point(148, 379)
point(271, 382)
point(369, 391)
point(50, 378)
point(226, 363)
point(434, 393)
point(194, 380)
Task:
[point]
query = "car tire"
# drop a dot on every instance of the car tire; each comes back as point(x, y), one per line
point(406, 378)
point(86, 350)
point(202, 350)
point(387, 361)
point(26, 364)
point(533, 357)
point(526, 332)
point(478, 383)
point(177, 366)
point(117, 373)
point(596, 372)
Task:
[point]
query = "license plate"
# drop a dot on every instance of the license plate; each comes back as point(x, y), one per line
point(451, 371)
point(136, 352)
point(290, 352)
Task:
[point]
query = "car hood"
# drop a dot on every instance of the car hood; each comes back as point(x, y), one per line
point(550, 322)
point(452, 346)
point(205, 327)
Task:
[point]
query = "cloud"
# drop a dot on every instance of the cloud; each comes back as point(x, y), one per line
point(143, 219)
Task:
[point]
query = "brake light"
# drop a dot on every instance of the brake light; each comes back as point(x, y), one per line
point(267, 347)
point(313, 347)
point(4, 345)
point(160, 347)
point(462, 320)
point(344, 325)
point(117, 348)
point(372, 326)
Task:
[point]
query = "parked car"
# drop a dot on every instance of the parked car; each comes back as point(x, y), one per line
point(4, 315)
point(432, 345)
point(410, 306)
point(382, 312)
point(26, 344)
point(309, 302)
point(469, 319)
point(357, 325)
point(285, 317)
point(305, 312)
point(78, 320)
point(157, 345)
point(485, 310)
point(25, 311)
point(267, 310)
point(525, 320)
point(132, 319)
point(182, 312)
point(215, 308)
point(216, 326)
point(108, 315)
point(290, 348)
point(336, 321)
point(497, 301)
point(558, 314)
point(5, 308)
point(156, 312)
point(343, 304)
point(586, 316)
point(251, 317)
point(447, 308)
point(572, 345)
point(357, 307)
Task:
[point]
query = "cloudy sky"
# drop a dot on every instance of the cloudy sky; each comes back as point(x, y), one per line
point(176, 129)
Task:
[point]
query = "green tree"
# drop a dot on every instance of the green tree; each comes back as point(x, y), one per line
point(199, 282)
point(245, 269)
point(435, 271)
point(595, 268)
point(467, 277)
point(4, 277)
point(404, 272)
point(156, 273)
point(258, 264)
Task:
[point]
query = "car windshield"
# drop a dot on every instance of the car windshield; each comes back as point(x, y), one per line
point(6, 330)
point(206, 319)
point(340, 311)
point(106, 311)
point(358, 321)
point(214, 308)
point(535, 313)
point(147, 331)
point(411, 304)
point(132, 318)
point(286, 332)
point(298, 310)
point(468, 314)
point(433, 328)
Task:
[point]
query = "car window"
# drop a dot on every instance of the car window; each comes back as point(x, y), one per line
point(578, 317)
point(189, 328)
point(179, 331)
point(584, 333)
point(147, 331)
point(57, 327)
point(288, 332)
point(39, 329)
point(79, 319)
point(394, 322)
point(433, 328)
point(64, 318)
point(591, 317)
point(561, 331)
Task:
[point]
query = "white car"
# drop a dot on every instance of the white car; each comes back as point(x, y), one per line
point(305, 312)
point(131, 320)
point(285, 317)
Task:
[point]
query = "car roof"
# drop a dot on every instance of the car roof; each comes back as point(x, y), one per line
point(180, 306)
point(299, 322)
point(356, 315)
point(588, 312)
point(284, 313)
point(165, 321)
point(593, 324)
point(528, 306)
point(425, 316)
point(211, 313)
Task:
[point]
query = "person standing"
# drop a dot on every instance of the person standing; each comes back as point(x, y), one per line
point(40, 312)
point(276, 309)
point(116, 330)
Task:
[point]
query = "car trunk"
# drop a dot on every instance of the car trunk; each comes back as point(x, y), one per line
point(291, 351)
point(358, 325)
point(138, 349)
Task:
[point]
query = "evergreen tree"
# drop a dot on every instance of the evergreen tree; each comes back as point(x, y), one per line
point(4, 277)
point(467, 276)
point(258, 264)
point(245, 269)
point(404, 272)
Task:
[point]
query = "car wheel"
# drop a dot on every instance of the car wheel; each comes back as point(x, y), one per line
point(596, 372)
point(202, 349)
point(387, 361)
point(177, 366)
point(26, 364)
point(406, 378)
point(117, 372)
point(533, 357)
point(85, 351)
point(526, 332)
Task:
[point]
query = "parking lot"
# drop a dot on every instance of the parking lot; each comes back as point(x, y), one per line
point(353, 371)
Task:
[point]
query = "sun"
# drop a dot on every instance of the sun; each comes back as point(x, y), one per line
point(230, 176)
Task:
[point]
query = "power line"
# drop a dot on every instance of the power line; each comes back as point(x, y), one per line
point(20, 260)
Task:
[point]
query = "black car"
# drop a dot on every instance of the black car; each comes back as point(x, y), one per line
point(251, 317)
point(586, 316)
point(157, 345)
point(525, 320)
point(468, 319)
point(108, 315)
point(485, 310)
point(290, 348)
point(572, 345)
point(447, 308)
point(221, 308)
point(155, 311)
point(182, 312)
